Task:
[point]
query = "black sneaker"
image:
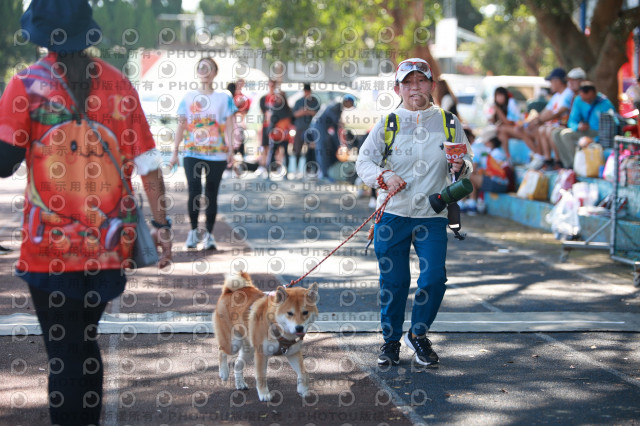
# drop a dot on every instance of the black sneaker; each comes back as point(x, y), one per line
point(389, 354)
point(425, 355)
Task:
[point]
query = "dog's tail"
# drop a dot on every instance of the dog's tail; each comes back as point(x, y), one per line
point(236, 281)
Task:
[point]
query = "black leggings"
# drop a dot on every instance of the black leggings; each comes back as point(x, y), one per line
point(75, 365)
point(194, 169)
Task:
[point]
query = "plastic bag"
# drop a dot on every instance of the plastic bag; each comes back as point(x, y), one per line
point(565, 180)
point(563, 218)
point(586, 194)
point(587, 161)
point(609, 167)
point(534, 186)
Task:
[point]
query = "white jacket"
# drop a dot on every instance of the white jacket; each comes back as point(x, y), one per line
point(417, 157)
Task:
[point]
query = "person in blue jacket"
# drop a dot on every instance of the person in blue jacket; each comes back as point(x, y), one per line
point(324, 133)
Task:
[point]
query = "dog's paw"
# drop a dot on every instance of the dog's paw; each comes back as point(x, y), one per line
point(224, 374)
point(241, 384)
point(265, 396)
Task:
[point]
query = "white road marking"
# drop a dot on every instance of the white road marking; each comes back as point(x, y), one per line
point(359, 322)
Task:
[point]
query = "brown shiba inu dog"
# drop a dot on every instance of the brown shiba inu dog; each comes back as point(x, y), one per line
point(247, 320)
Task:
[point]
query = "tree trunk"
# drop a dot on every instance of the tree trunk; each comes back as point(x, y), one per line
point(605, 72)
point(568, 42)
point(604, 14)
point(403, 15)
point(602, 53)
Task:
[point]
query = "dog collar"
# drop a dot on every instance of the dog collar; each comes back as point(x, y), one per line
point(283, 343)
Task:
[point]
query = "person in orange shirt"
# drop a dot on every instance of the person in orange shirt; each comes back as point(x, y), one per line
point(79, 219)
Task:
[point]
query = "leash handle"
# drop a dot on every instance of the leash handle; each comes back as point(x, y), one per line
point(378, 216)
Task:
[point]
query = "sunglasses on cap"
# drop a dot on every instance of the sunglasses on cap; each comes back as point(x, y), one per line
point(408, 66)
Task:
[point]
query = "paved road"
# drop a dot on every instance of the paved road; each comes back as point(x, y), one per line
point(523, 340)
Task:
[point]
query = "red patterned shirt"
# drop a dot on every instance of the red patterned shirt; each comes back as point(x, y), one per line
point(77, 213)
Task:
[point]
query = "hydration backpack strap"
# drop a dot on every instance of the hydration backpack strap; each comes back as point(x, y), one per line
point(391, 127)
point(449, 125)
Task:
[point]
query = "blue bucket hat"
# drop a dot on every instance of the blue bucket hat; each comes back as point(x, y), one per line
point(61, 25)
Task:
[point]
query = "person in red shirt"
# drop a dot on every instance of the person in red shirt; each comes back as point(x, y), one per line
point(242, 103)
point(266, 105)
point(79, 220)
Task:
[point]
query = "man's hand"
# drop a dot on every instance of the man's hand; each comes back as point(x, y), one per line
point(162, 239)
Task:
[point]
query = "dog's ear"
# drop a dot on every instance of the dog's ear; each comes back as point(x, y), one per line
point(281, 295)
point(312, 294)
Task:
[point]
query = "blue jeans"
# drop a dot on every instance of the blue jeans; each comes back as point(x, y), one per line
point(393, 238)
point(326, 147)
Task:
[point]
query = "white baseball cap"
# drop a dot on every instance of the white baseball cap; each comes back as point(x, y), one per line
point(413, 64)
point(577, 74)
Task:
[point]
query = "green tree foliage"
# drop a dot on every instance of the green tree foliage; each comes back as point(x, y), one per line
point(166, 6)
point(14, 47)
point(126, 25)
point(603, 51)
point(513, 43)
point(600, 52)
point(305, 30)
point(130, 24)
point(468, 16)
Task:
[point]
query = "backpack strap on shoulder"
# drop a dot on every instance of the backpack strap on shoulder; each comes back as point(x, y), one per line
point(449, 125)
point(391, 127)
point(453, 209)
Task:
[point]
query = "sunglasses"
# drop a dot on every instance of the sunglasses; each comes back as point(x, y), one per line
point(414, 66)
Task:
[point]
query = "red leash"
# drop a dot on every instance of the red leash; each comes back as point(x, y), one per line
point(378, 215)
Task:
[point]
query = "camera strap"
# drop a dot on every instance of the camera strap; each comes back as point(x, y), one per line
point(453, 209)
point(449, 126)
point(453, 214)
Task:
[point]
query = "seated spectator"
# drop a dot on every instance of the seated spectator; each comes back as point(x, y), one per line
point(554, 114)
point(478, 146)
point(493, 174)
point(552, 133)
point(553, 117)
point(506, 116)
point(584, 120)
point(537, 104)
